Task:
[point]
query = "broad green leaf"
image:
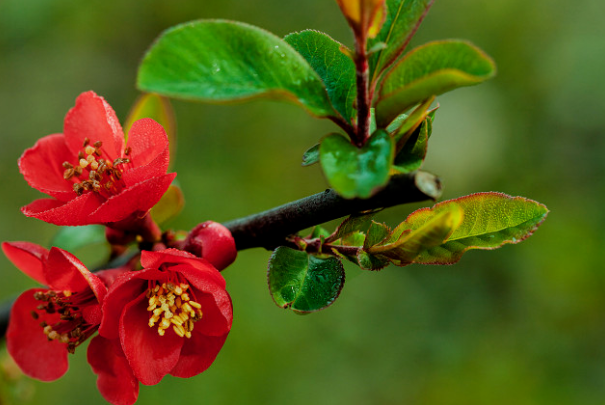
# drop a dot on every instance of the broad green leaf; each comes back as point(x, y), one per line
point(376, 234)
point(434, 232)
point(311, 156)
point(357, 172)
point(402, 20)
point(72, 238)
point(430, 70)
point(490, 221)
point(354, 239)
point(336, 70)
point(170, 205)
point(157, 108)
point(412, 155)
point(219, 61)
point(304, 282)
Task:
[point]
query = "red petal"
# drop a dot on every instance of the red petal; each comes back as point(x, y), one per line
point(149, 151)
point(29, 347)
point(184, 261)
point(27, 257)
point(197, 354)
point(150, 355)
point(125, 289)
point(206, 279)
point(115, 379)
point(213, 242)
point(72, 213)
point(65, 272)
point(42, 167)
point(217, 311)
point(139, 197)
point(94, 119)
point(151, 259)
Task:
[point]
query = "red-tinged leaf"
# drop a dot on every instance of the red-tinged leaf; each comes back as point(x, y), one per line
point(434, 232)
point(159, 109)
point(169, 206)
point(490, 221)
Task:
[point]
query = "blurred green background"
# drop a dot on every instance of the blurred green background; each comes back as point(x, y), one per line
point(521, 325)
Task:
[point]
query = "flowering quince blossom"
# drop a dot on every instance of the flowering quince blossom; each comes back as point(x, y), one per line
point(172, 317)
point(48, 323)
point(92, 173)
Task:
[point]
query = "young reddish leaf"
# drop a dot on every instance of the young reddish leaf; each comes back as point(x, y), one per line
point(357, 172)
point(219, 61)
point(304, 282)
point(402, 19)
point(160, 110)
point(431, 233)
point(336, 70)
point(429, 70)
point(171, 203)
point(490, 221)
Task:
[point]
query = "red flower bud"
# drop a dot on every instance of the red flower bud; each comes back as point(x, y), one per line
point(213, 242)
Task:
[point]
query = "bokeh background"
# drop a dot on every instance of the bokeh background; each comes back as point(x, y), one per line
point(521, 325)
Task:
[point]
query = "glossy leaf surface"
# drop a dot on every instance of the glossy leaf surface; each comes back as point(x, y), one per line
point(72, 238)
point(220, 61)
point(490, 221)
point(430, 70)
point(357, 172)
point(402, 19)
point(303, 282)
point(336, 70)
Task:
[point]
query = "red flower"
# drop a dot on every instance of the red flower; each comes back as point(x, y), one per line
point(47, 324)
point(93, 175)
point(172, 317)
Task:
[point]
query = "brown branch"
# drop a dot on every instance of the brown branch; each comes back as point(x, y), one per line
point(269, 229)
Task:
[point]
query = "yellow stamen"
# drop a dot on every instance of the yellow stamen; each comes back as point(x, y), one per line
point(169, 305)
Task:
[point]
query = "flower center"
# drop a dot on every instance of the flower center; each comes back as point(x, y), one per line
point(104, 176)
point(61, 315)
point(171, 305)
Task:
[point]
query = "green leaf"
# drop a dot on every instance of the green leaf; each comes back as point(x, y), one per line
point(430, 70)
point(357, 172)
point(402, 20)
point(412, 155)
point(319, 232)
point(434, 232)
point(336, 70)
point(304, 282)
point(169, 206)
point(353, 224)
point(490, 221)
point(72, 238)
point(159, 109)
point(376, 234)
point(369, 261)
point(311, 156)
point(218, 61)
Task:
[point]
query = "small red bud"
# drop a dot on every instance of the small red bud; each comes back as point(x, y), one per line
point(213, 242)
